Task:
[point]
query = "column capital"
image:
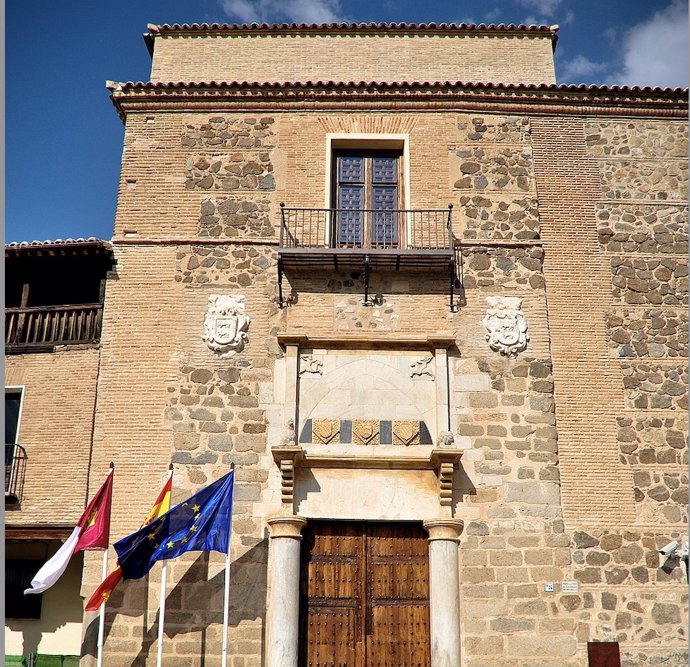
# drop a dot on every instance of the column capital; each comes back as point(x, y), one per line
point(286, 525)
point(444, 529)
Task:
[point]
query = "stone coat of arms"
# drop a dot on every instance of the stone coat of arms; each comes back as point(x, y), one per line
point(506, 325)
point(226, 325)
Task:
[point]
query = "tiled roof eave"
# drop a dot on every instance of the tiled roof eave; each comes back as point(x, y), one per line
point(214, 95)
point(91, 243)
point(365, 28)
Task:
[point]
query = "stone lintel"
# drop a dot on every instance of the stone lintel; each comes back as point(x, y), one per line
point(417, 457)
point(286, 525)
point(444, 529)
point(432, 342)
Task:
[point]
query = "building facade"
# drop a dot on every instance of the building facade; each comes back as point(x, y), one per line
point(52, 334)
point(440, 329)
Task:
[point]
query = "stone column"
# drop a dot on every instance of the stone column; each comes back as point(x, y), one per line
point(283, 607)
point(444, 591)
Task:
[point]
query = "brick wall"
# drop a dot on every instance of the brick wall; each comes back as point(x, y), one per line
point(55, 429)
point(552, 480)
point(374, 57)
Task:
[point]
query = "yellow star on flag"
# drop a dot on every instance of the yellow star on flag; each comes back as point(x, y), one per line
point(196, 509)
point(193, 528)
point(170, 544)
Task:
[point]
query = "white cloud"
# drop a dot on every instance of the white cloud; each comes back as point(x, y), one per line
point(493, 14)
point(611, 34)
point(569, 18)
point(271, 11)
point(655, 52)
point(545, 8)
point(579, 69)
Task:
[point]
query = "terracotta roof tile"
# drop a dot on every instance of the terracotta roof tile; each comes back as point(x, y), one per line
point(90, 241)
point(389, 85)
point(359, 27)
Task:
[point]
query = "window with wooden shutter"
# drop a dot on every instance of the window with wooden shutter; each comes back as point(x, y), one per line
point(367, 199)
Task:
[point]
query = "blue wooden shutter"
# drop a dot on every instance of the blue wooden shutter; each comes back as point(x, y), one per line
point(385, 201)
point(350, 200)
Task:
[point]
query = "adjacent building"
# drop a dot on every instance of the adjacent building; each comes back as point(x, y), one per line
point(432, 305)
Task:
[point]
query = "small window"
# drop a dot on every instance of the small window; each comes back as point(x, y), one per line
point(15, 457)
point(13, 405)
point(18, 576)
point(367, 196)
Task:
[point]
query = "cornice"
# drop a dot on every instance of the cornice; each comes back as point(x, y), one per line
point(335, 28)
point(543, 99)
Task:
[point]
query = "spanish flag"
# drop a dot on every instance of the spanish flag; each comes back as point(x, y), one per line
point(92, 531)
point(160, 507)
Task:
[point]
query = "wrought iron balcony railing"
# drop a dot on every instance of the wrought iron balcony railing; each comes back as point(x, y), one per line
point(15, 468)
point(45, 326)
point(368, 229)
point(365, 240)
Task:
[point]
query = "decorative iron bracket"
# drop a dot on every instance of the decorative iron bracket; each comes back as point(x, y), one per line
point(367, 271)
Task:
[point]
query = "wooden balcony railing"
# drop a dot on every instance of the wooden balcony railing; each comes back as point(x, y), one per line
point(15, 468)
point(45, 326)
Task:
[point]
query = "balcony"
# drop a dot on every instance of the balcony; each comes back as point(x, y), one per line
point(15, 468)
point(40, 329)
point(325, 239)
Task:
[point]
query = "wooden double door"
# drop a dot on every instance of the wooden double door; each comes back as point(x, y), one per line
point(364, 595)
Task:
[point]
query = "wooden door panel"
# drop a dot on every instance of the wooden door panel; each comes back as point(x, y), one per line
point(398, 596)
point(364, 595)
point(329, 580)
point(331, 637)
point(400, 581)
point(398, 540)
point(400, 636)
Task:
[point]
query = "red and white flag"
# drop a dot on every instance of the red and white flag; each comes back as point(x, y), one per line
point(160, 507)
point(93, 530)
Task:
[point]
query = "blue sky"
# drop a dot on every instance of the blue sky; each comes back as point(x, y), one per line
point(64, 139)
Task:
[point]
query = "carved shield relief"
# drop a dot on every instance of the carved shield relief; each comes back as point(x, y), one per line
point(506, 325)
point(226, 325)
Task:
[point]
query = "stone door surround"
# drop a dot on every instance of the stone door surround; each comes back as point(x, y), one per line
point(282, 637)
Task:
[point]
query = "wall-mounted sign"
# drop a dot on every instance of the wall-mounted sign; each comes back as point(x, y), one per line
point(570, 586)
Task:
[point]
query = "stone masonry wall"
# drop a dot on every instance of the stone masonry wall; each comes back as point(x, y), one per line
point(652, 332)
point(494, 161)
point(641, 281)
point(653, 440)
point(645, 229)
point(204, 412)
point(642, 165)
point(236, 160)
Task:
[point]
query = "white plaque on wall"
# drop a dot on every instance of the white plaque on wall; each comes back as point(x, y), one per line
point(570, 586)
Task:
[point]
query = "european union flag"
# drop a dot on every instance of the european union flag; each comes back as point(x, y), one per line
point(200, 523)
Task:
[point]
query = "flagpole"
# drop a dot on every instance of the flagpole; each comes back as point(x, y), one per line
point(101, 613)
point(101, 619)
point(164, 584)
point(226, 596)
